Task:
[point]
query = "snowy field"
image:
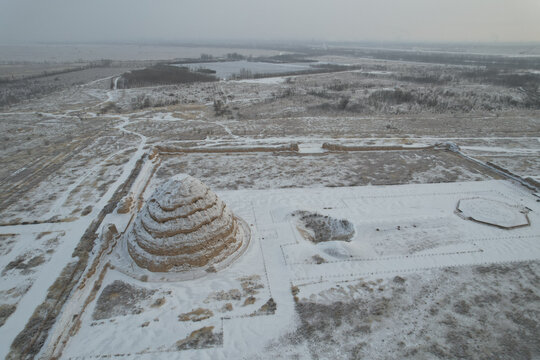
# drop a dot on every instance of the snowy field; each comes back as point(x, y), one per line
point(400, 232)
point(425, 177)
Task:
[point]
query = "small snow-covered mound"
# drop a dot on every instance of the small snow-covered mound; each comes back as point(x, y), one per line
point(184, 225)
point(318, 228)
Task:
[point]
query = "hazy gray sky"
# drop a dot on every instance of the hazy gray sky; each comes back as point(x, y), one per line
point(348, 20)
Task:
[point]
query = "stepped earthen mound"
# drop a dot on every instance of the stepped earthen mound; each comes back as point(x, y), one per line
point(184, 226)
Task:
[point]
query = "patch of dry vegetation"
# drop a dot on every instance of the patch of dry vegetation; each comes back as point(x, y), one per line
point(5, 312)
point(473, 312)
point(266, 171)
point(201, 339)
point(24, 263)
point(7, 242)
point(120, 299)
point(196, 315)
point(268, 308)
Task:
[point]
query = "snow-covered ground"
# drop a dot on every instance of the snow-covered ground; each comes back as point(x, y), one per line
point(400, 230)
point(420, 278)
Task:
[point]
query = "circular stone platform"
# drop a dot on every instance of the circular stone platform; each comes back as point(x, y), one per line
point(184, 228)
point(492, 212)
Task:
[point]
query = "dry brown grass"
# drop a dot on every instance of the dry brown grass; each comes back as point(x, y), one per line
point(200, 339)
point(196, 315)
